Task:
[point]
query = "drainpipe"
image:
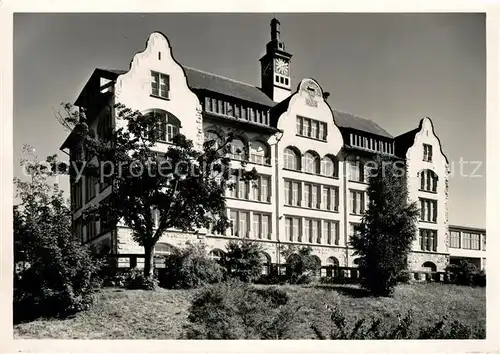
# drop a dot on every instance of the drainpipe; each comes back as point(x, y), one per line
point(346, 211)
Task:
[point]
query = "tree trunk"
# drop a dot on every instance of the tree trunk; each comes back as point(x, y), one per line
point(148, 261)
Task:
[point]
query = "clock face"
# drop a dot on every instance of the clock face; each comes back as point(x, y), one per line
point(282, 67)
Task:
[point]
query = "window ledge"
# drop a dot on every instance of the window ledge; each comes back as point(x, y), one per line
point(311, 138)
point(360, 182)
point(160, 97)
point(426, 191)
point(428, 222)
point(249, 200)
point(307, 208)
point(310, 173)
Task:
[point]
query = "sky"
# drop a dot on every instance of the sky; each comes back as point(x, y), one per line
point(391, 68)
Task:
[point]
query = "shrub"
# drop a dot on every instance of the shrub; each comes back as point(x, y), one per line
point(190, 268)
point(135, 279)
point(404, 328)
point(301, 265)
point(236, 310)
point(480, 278)
point(243, 260)
point(466, 273)
point(404, 277)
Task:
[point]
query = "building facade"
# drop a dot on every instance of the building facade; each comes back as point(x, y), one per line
point(310, 158)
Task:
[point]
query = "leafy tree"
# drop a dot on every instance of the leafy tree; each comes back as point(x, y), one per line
point(54, 275)
point(301, 264)
point(183, 187)
point(243, 259)
point(388, 228)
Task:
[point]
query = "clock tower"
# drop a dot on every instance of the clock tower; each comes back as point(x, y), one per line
point(275, 67)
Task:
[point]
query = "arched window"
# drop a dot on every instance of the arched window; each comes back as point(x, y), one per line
point(161, 251)
point(329, 167)
point(317, 265)
point(164, 249)
point(428, 181)
point(165, 126)
point(104, 127)
point(332, 267)
point(213, 136)
point(266, 263)
point(311, 163)
point(238, 150)
point(259, 153)
point(429, 266)
point(292, 159)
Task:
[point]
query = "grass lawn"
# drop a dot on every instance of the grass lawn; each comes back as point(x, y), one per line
point(137, 314)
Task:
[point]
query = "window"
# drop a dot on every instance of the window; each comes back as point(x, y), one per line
point(428, 181)
point(428, 240)
point(483, 238)
point(311, 196)
point(240, 221)
point(311, 128)
point(159, 84)
point(90, 187)
point(311, 163)
point(357, 202)
point(353, 228)
point(229, 109)
point(243, 189)
point(428, 210)
point(104, 127)
point(78, 229)
point(471, 241)
point(260, 189)
point(165, 126)
point(238, 150)
point(292, 159)
point(293, 230)
point(427, 152)
point(312, 230)
point(292, 193)
point(356, 171)
point(261, 227)
point(78, 194)
point(91, 230)
point(259, 153)
point(331, 232)
point(330, 198)
point(328, 167)
point(455, 239)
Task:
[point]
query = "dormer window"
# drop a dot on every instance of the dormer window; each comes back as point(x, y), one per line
point(160, 85)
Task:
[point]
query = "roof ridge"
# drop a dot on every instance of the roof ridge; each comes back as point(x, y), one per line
point(220, 76)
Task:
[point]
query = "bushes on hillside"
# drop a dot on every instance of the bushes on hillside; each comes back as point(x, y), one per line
point(190, 268)
point(466, 273)
point(236, 310)
point(404, 328)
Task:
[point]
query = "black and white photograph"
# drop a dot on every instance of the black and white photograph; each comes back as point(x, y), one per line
point(249, 176)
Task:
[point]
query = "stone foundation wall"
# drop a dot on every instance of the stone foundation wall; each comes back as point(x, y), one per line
point(417, 259)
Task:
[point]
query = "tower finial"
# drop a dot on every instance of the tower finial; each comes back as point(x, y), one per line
point(275, 29)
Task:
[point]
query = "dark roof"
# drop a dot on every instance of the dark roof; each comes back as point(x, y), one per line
point(342, 120)
point(404, 141)
point(351, 121)
point(201, 80)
